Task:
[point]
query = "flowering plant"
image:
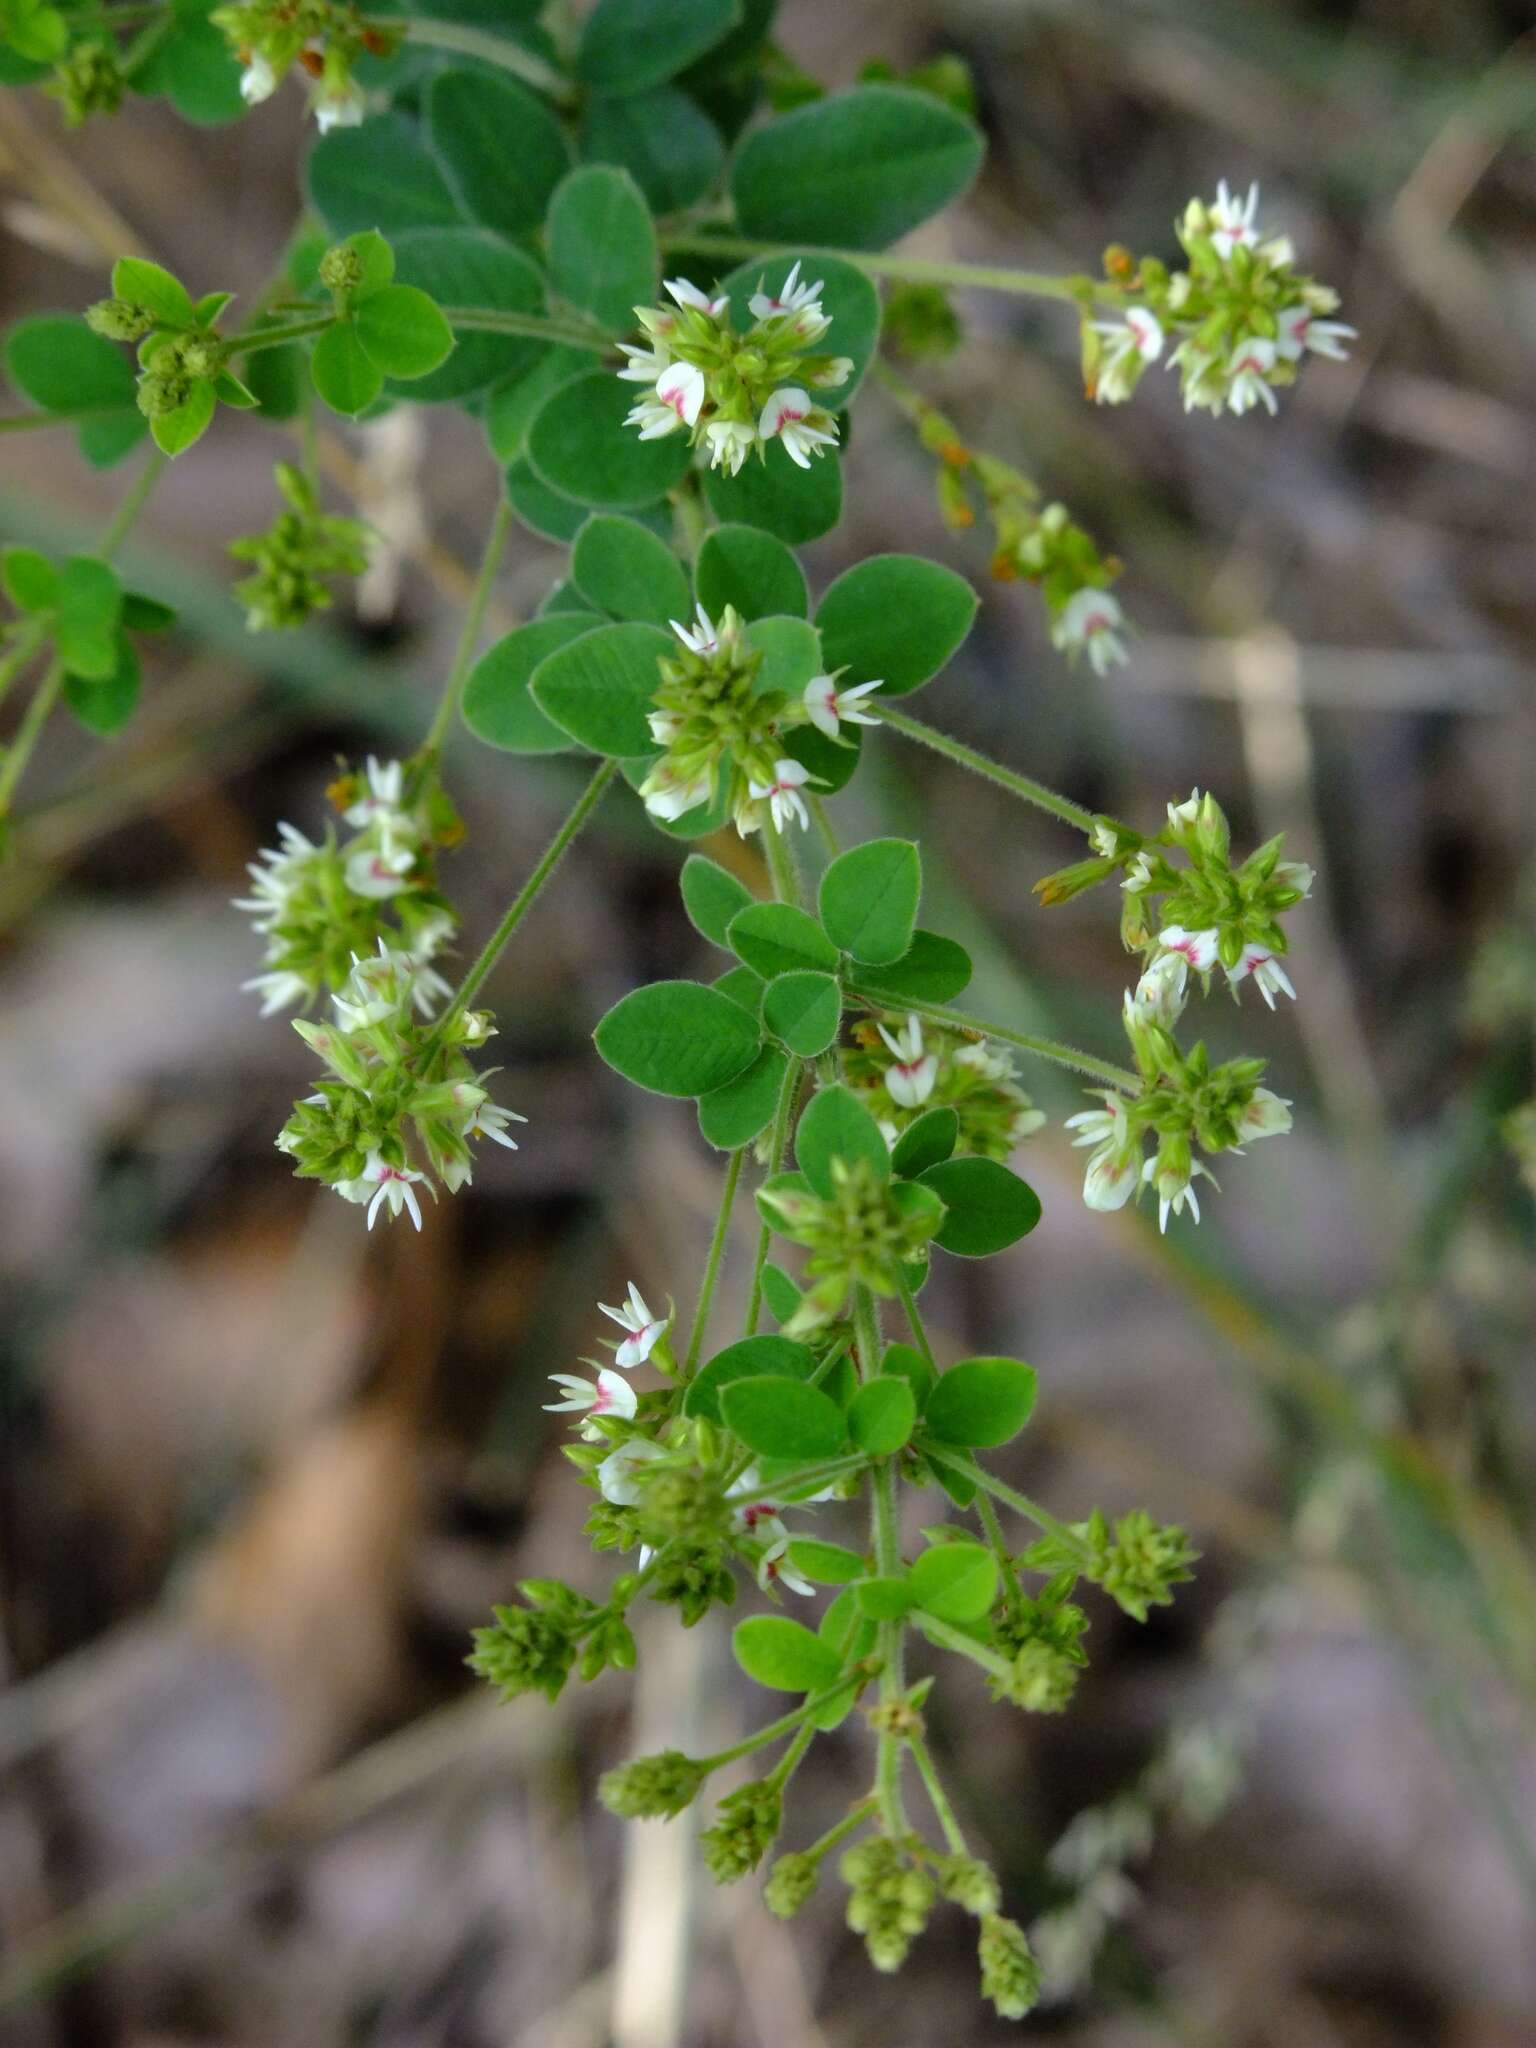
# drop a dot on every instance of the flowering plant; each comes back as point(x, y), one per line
point(482, 246)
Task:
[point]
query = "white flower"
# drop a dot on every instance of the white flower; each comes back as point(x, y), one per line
point(258, 81)
point(340, 110)
point(729, 442)
point(689, 295)
point(654, 419)
point(1232, 223)
point(645, 1331)
point(668, 796)
point(1300, 331)
point(783, 794)
point(1269, 977)
point(616, 1480)
point(803, 427)
point(1267, 1116)
point(910, 1081)
point(1184, 817)
point(682, 387)
point(1296, 874)
point(383, 788)
point(986, 1062)
point(611, 1394)
point(1089, 622)
point(1248, 372)
point(490, 1120)
point(1130, 345)
point(645, 365)
point(384, 1183)
point(378, 872)
point(1139, 874)
point(275, 876)
point(278, 989)
point(827, 706)
point(1198, 948)
point(791, 297)
point(1175, 1190)
point(703, 638)
point(774, 1569)
point(834, 371)
point(1114, 1171)
point(1159, 997)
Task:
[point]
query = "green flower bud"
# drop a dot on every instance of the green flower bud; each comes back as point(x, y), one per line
point(118, 320)
point(745, 1826)
point(652, 1787)
point(526, 1650)
point(1010, 1976)
point(160, 393)
point(1140, 1566)
point(341, 269)
point(686, 1505)
point(967, 1881)
point(791, 1882)
point(889, 1900)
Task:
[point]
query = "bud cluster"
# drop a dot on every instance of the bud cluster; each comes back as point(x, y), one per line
point(1137, 1563)
point(1241, 315)
point(322, 907)
point(1042, 1639)
point(889, 1899)
point(745, 1826)
point(864, 1233)
point(901, 1071)
point(735, 393)
point(651, 1787)
point(395, 1092)
point(324, 38)
point(89, 79)
point(293, 557)
point(532, 1648)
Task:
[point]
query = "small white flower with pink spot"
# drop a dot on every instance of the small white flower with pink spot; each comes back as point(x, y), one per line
point(1129, 345)
point(1248, 371)
point(775, 1569)
point(1301, 331)
point(1269, 977)
point(690, 297)
point(618, 1475)
point(828, 707)
point(782, 796)
point(802, 427)
point(910, 1081)
point(643, 1331)
point(383, 1184)
point(1090, 623)
point(1233, 222)
point(1197, 948)
point(609, 1395)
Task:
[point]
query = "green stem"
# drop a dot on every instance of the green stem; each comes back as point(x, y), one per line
point(787, 1764)
point(1009, 1496)
point(886, 1536)
point(63, 416)
point(854, 1818)
point(914, 1320)
point(1023, 786)
point(1026, 1041)
point(491, 320)
point(34, 718)
point(520, 905)
point(274, 337)
point(794, 1719)
point(781, 865)
point(778, 1146)
point(465, 41)
point(824, 827)
point(809, 1475)
point(25, 645)
point(474, 618)
point(122, 519)
point(713, 1263)
point(938, 1797)
point(963, 1645)
point(1038, 284)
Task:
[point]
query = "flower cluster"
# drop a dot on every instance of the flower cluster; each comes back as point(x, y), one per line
point(712, 717)
point(294, 556)
point(1241, 317)
point(862, 1235)
point(323, 906)
point(901, 1070)
point(737, 392)
point(324, 38)
point(394, 1093)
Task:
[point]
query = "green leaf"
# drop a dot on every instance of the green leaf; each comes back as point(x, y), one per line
point(883, 1599)
point(836, 1125)
point(106, 441)
point(980, 1403)
point(579, 444)
point(496, 704)
point(825, 1564)
point(847, 296)
point(467, 267)
point(669, 146)
point(781, 1418)
point(229, 390)
point(742, 986)
point(60, 365)
point(165, 298)
point(545, 511)
point(143, 614)
point(881, 1416)
point(193, 65)
point(955, 1581)
point(376, 261)
point(781, 1294)
point(380, 175)
point(208, 308)
point(599, 688)
point(927, 1142)
point(104, 704)
point(868, 900)
point(628, 46)
point(732, 1116)
point(677, 1038)
point(791, 654)
point(961, 1489)
point(747, 568)
point(86, 632)
point(803, 1010)
point(932, 970)
point(764, 1357)
point(774, 938)
point(832, 762)
point(783, 1654)
point(344, 373)
point(896, 619)
point(856, 170)
point(903, 1361)
point(403, 331)
point(988, 1207)
point(501, 150)
point(31, 581)
point(627, 571)
point(510, 407)
point(712, 897)
point(794, 504)
point(278, 377)
point(602, 247)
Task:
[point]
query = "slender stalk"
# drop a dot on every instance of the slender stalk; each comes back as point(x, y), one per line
point(786, 1766)
point(955, 1639)
point(781, 864)
point(1043, 1048)
point(809, 1475)
point(855, 1817)
point(34, 718)
point(915, 1322)
point(793, 1720)
point(1018, 785)
point(465, 41)
point(886, 1537)
point(474, 618)
point(778, 1146)
point(520, 905)
point(25, 645)
point(1008, 1495)
point(824, 826)
point(938, 1797)
point(121, 522)
point(1037, 284)
point(491, 320)
point(713, 1263)
point(63, 416)
point(274, 337)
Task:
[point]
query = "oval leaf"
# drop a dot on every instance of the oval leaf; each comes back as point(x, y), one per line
point(631, 45)
point(732, 1116)
point(881, 1416)
point(599, 688)
point(747, 568)
point(496, 705)
point(896, 619)
point(774, 938)
point(629, 572)
point(868, 899)
point(677, 1038)
point(344, 373)
point(59, 364)
point(467, 267)
point(783, 1654)
point(955, 1581)
point(927, 1142)
point(601, 245)
point(765, 1357)
point(836, 1125)
point(712, 897)
point(781, 1418)
point(501, 150)
point(795, 504)
point(988, 1207)
point(932, 970)
point(578, 443)
point(403, 331)
point(826, 1564)
point(381, 175)
point(803, 1009)
point(980, 1403)
point(667, 143)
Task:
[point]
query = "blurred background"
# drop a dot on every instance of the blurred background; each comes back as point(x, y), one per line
point(262, 1473)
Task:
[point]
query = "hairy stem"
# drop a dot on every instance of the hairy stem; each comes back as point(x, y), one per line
point(474, 618)
point(808, 1476)
point(886, 1536)
point(535, 326)
point(1018, 785)
point(937, 1796)
point(1043, 1048)
point(1037, 284)
point(713, 1263)
point(1009, 1496)
point(465, 41)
